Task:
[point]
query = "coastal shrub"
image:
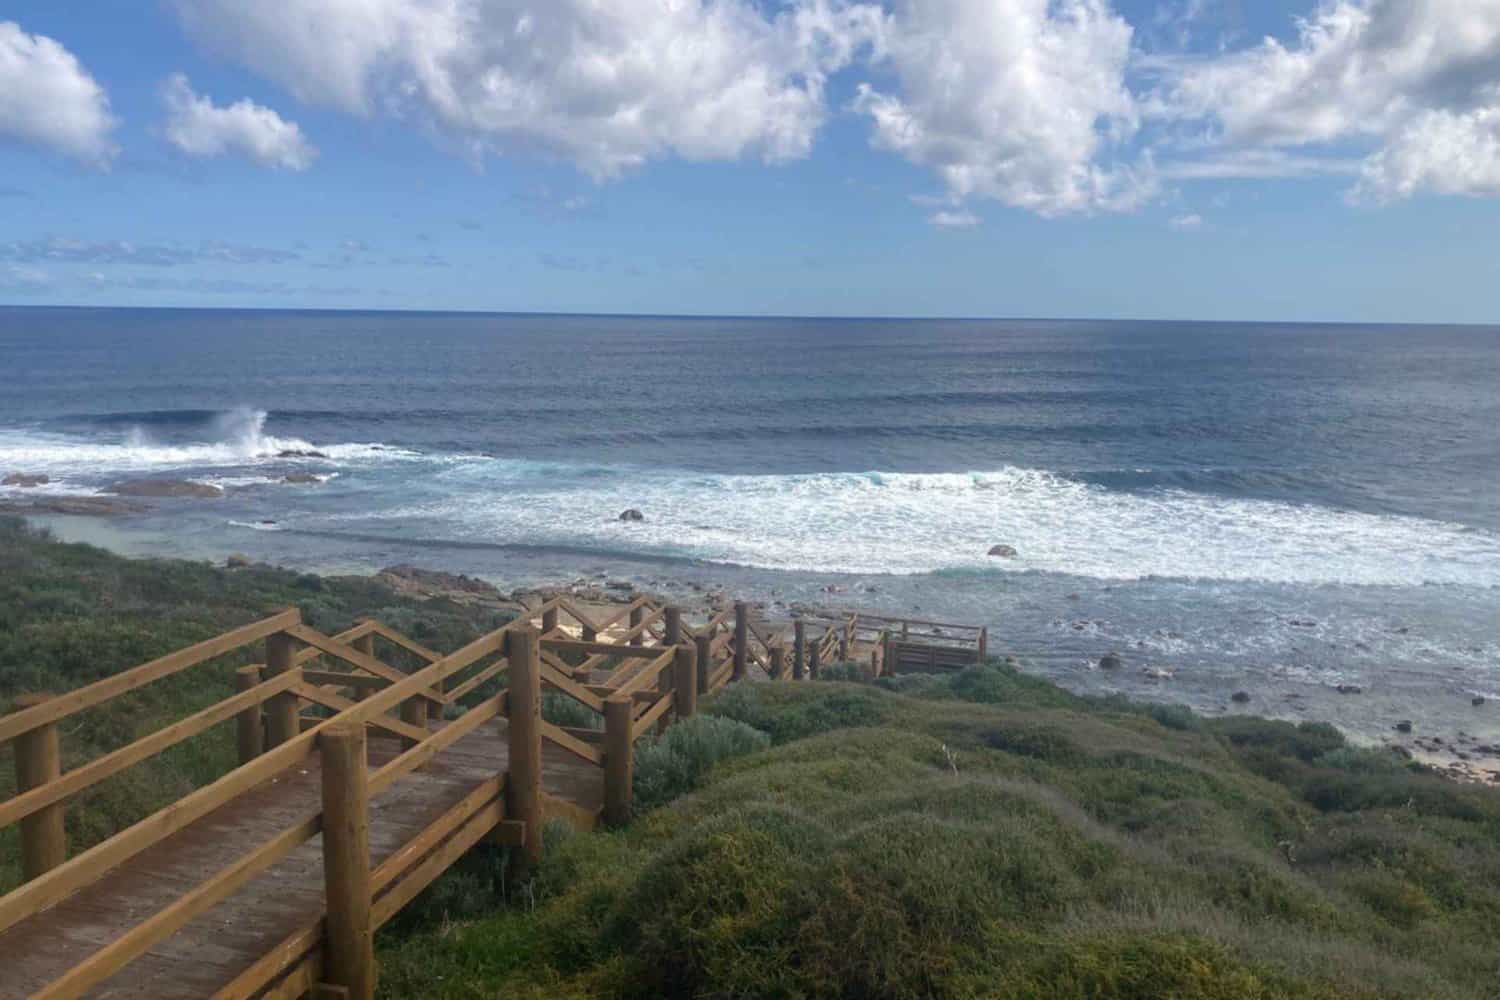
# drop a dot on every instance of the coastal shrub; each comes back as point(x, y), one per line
point(792, 711)
point(676, 763)
point(846, 671)
point(997, 683)
point(561, 710)
point(1175, 717)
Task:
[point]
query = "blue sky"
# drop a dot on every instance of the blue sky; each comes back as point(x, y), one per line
point(924, 157)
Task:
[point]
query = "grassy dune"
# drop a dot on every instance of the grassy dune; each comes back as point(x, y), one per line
point(989, 835)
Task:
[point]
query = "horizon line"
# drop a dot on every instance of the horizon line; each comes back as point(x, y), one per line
point(824, 317)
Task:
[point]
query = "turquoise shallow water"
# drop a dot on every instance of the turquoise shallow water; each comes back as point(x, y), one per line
point(1193, 495)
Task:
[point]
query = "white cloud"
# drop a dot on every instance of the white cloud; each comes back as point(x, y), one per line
point(954, 219)
point(1419, 80)
point(608, 86)
point(48, 98)
point(1437, 151)
point(1012, 100)
point(199, 127)
point(1257, 164)
point(1186, 223)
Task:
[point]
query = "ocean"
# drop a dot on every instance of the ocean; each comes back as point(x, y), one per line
point(1278, 509)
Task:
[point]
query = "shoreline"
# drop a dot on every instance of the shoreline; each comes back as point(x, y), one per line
point(1448, 733)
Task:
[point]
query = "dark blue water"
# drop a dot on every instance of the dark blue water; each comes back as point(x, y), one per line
point(1185, 493)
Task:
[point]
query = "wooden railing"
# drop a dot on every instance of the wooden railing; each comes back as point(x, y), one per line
point(637, 668)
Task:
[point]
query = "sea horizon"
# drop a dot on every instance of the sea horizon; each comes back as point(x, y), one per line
point(821, 317)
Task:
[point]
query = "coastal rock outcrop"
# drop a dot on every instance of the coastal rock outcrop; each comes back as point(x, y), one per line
point(23, 480)
point(413, 581)
point(1003, 551)
point(237, 561)
point(165, 488)
point(76, 506)
point(1240, 697)
point(631, 514)
point(1111, 661)
point(299, 453)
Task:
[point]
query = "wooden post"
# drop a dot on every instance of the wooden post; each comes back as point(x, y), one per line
point(875, 663)
point(619, 767)
point(799, 649)
point(704, 658)
point(741, 639)
point(686, 668)
point(44, 841)
point(888, 658)
point(365, 644)
point(281, 709)
point(348, 950)
point(672, 620)
point(249, 728)
point(905, 631)
point(778, 663)
point(844, 644)
point(413, 713)
point(637, 615)
point(984, 645)
point(523, 787)
point(812, 659)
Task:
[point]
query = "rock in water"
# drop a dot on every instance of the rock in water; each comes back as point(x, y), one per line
point(1240, 697)
point(1350, 689)
point(23, 480)
point(632, 515)
point(237, 561)
point(1003, 551)
point(1476, 701)
point(165, 488)
point(300, 478)
point(1111, 661)
point(1404, 726)
point(299, 453)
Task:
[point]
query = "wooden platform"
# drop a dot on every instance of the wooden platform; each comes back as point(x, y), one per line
point(210, 951)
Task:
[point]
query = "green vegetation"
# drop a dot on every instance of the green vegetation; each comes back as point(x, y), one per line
point(983, 834)
point(678, 762)
point(71, 614)
point(989, 835)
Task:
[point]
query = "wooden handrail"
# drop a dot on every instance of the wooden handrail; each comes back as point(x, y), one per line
point(349, 635)
point(77, 872)
point(349, 654)
point(224, 883)
point(493, 670)
point(404, 642)
point(572, 744)
point(90, 774)
point(605, 649)
point(648, 674)
point(110, 687)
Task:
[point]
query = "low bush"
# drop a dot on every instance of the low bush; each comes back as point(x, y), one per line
point(561, 710)
point(677, 762)
point(846, 671)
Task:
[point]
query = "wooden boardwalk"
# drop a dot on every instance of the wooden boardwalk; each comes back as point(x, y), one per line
point(270, 881)
point(223, 943)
